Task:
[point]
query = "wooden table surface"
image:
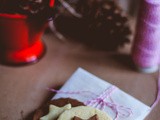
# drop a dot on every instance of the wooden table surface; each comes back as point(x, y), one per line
point(23, 89)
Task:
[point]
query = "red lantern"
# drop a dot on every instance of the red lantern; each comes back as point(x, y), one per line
point(20, 39)
point(51, 4)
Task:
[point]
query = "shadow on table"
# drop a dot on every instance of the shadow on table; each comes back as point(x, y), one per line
point(124, 60)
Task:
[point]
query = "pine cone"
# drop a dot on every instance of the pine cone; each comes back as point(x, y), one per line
point(26, 7)
point(102, 26)
point(107, 27)
point(35, 7)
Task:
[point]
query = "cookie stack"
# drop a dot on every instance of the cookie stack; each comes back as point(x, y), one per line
point(69, 109)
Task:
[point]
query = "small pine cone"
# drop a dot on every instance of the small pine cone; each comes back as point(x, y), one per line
point(106, 26)
point(34, 7)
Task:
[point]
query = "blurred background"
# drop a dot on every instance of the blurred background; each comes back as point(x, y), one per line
point(101, 26)
point(130, 6)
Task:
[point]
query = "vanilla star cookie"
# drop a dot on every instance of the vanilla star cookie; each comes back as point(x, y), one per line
point(83, 112)
point(55, 111)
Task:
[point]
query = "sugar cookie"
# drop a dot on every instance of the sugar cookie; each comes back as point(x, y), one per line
point(55, 111)
point(84, 112)
point(57, 102)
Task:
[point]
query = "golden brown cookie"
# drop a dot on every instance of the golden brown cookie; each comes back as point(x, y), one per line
point(57, 102)
point(55, 111)
point(84, 112)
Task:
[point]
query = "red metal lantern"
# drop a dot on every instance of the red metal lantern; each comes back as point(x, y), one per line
point(20, 39)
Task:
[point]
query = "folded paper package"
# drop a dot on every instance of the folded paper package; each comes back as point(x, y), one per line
point(95, 92)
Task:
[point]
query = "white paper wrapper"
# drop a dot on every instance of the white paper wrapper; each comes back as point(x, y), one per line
point(82, 80)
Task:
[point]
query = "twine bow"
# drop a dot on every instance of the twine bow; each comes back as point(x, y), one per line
point(100, 101)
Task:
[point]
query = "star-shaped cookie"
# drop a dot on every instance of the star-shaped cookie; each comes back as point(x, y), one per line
point(55, 111)
point(84, 112)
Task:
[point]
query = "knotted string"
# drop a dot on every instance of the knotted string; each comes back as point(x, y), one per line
point(100, 101)
point(158, 92)
point(83, 93)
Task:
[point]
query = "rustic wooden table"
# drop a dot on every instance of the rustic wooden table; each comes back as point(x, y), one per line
point(23, 89)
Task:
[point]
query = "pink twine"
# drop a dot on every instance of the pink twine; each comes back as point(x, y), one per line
point(101, 102)
point(71, 92)
point(158, 93)
point(146, 48)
